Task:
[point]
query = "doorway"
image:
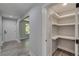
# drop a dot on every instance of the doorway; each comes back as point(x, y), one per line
point(9, 29)
point(63, 32)
point(10, 45)
point(9, 37)
point(24, 33)
point(77, 30)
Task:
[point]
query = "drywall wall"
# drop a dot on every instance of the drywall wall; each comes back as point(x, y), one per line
point(0, 33)
point(67, 31)
point(36, 30)
point(67, 45)
point(0, 30)
point(54, 45)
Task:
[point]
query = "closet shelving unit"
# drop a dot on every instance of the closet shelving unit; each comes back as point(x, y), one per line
point(63, 31)
point(64, 24)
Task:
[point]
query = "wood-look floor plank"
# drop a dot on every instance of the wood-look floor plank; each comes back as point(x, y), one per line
point(60, 52)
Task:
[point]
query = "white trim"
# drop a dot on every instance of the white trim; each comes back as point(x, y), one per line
point(43, 33)
point(44, 29)
point(76, 32)
point(69, 24)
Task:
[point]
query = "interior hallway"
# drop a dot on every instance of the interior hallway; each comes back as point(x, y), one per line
point(12, 29)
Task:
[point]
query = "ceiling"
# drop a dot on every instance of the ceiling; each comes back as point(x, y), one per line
point(63, 9)
point(15, 9)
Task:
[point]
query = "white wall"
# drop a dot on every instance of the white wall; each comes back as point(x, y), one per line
point(0, 33)
point(0, 29)
point(36, 30)
point(18, 33)
point(67, 45)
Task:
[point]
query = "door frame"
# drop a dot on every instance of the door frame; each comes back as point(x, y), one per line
point(76, 33)
point(45, 30)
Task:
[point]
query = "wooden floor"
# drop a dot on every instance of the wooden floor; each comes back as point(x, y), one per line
point(13, 48)
point(60, 52)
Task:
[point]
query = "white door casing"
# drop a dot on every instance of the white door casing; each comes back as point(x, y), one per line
point(76, 31)
point(46, 29)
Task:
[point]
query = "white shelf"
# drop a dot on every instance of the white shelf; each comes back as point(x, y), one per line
point(67, 37)
point(55, 38)
point(68, 15)
point(64, 16)
point(70, 24)
point(64, 37)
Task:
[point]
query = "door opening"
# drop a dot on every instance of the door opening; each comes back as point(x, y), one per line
point(60, 28)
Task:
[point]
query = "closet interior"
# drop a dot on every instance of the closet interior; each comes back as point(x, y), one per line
point(62, 18)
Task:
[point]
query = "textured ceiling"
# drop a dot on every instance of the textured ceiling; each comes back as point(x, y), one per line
point(15, 9)
point(63, 9)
